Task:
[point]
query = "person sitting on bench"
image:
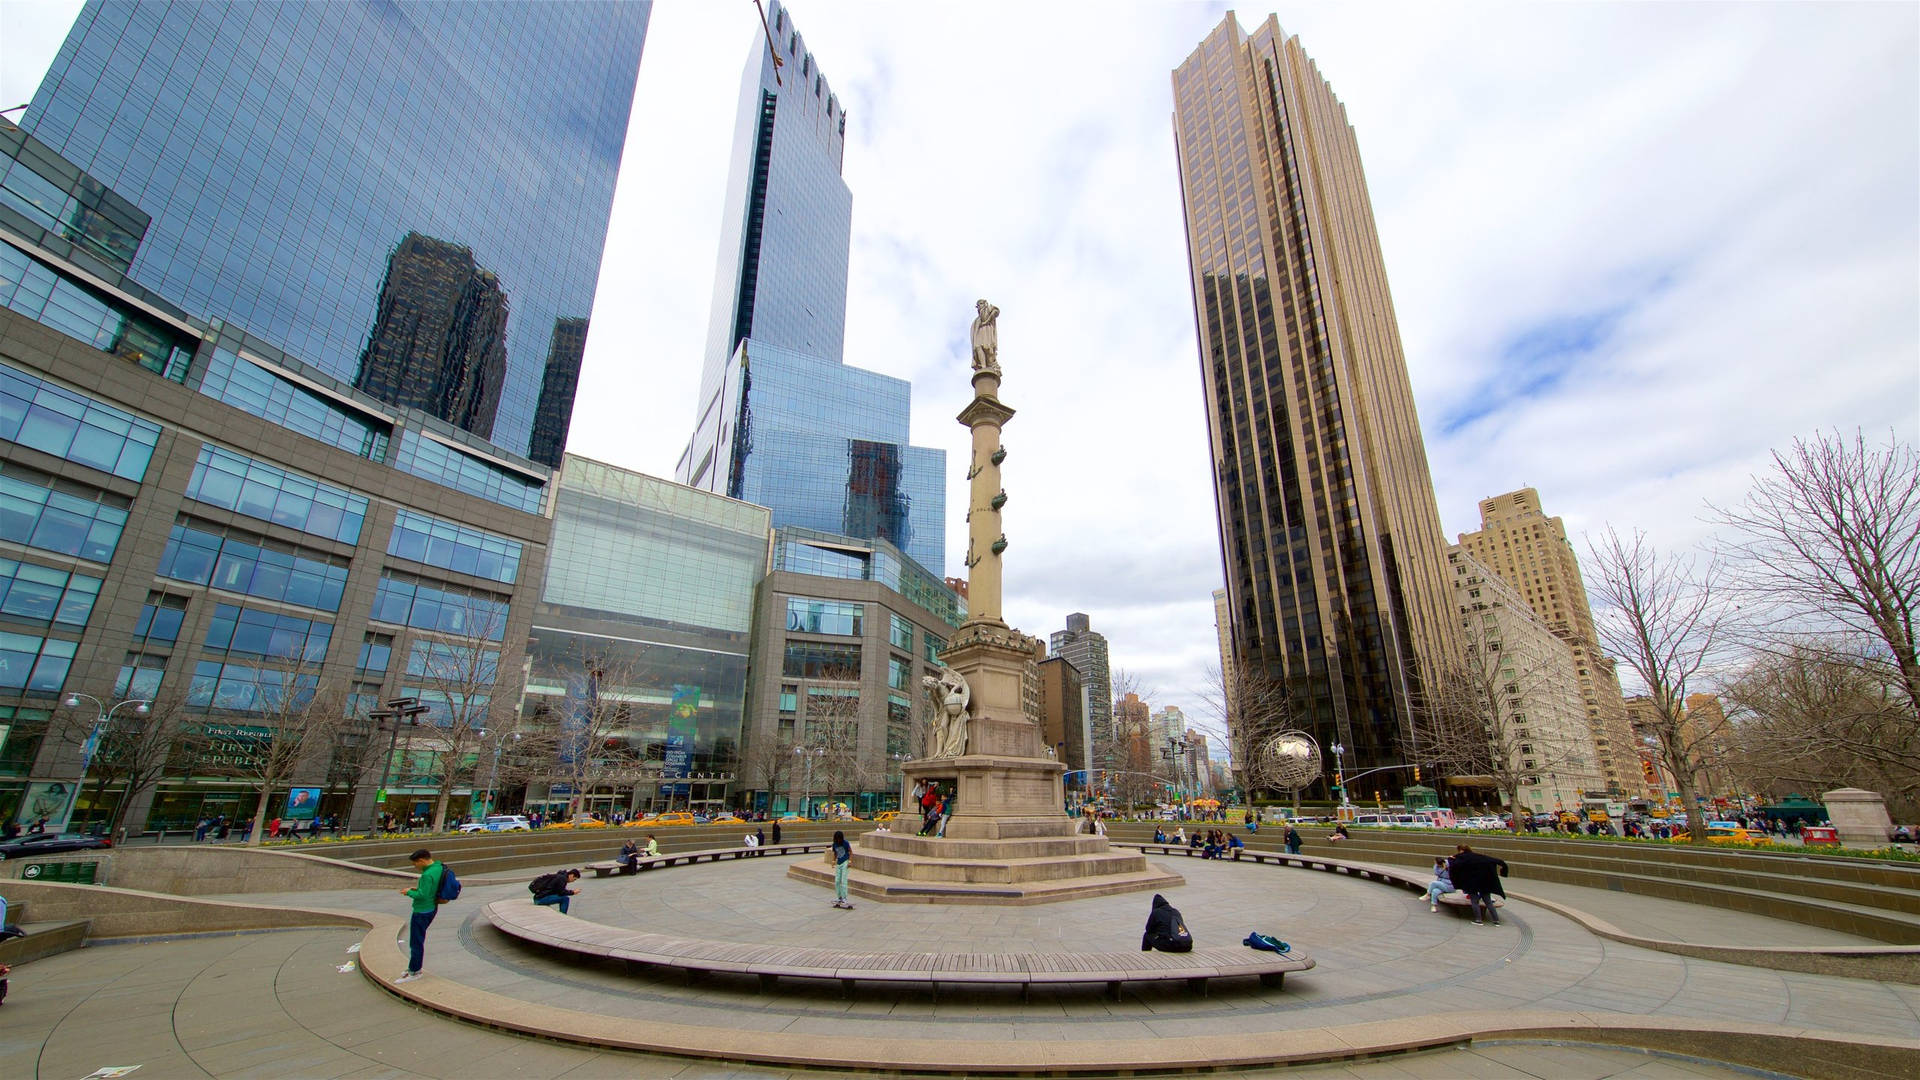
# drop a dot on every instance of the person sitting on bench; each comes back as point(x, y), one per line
point(550, 890)
point(1166, 930)
point(629, 855)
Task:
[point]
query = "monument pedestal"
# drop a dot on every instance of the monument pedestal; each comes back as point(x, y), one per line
point(1007, 839)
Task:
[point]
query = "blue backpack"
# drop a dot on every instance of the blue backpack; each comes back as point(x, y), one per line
point(1266, 943)
point(449, 885)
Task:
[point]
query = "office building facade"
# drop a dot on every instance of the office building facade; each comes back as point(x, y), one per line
point(381, 200)
point(1330, 538)
point(1529, 550)
point(195, 521)
point(781, 420)
point(639, 645)
point(1063, 711)
point(1086, 649)
point(844, 633)
point(1542, 724)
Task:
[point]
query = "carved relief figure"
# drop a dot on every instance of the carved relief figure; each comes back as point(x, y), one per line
point(947, 730)
point(986, 337)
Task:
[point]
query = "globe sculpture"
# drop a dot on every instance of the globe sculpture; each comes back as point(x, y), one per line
point(1293, 760)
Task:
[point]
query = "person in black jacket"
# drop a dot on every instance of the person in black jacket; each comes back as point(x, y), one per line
point(1166, 930)
point(1479, 877)
point(551, 890)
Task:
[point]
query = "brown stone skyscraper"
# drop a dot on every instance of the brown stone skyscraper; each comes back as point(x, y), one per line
point(1334, 555)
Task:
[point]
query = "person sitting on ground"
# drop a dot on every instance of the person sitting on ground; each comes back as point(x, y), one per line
point(652, 850)
point(1166, 930)
point(629, 854)
point(1479, 877)
point(551, 890)
point(1340, 833)
point(1441, 884)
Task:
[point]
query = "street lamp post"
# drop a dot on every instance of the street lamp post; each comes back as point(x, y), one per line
point(397, 710)
point(808, 754)
point(87, 748)
point(1340, 765)
point(493, 773)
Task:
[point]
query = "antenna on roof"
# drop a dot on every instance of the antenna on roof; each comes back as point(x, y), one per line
point(771, 51)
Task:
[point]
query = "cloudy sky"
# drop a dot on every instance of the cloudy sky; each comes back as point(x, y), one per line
point(1632, 247)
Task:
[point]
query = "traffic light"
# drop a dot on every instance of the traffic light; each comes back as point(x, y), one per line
point(1416, 774)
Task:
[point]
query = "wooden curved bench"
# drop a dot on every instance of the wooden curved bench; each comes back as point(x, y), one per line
point(615, 866)
point(1454, 901)
point(770, 963)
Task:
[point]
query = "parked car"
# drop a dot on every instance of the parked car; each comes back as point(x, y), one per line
point(678, 817)
point(885, 817)
point(498, 823)
point(51, 844)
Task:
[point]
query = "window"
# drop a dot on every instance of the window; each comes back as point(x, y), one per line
point(73, 426)
point(41, 594)
point(932, 647)
point(237, 562)
point(811, 661)
point(900, 632)
point(376, 654)
point(242, 688)
point(242, 631)
point(899, 673)
point(824, 617)
point(789, 698)
point(160, 619)
point(251, 388)
point(453, 665)
point(426, 539)
point(49, 298)
point(53, 516)
point(423, 605)
point(140, 676)
point(442, 464)
point(235, 482)
point(34, 664)
point(832, 702)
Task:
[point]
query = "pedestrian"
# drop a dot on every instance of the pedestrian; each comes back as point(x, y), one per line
point(1166, 930)
point(842, 862)
point(1479, 877)
point(552, 890)
point(1293, 840)
point(273, 829)
point(761, 837)
point(425, 895)
point(1441, 884)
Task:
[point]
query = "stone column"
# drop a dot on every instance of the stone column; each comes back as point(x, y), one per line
point(1860, 816)
point(985, 415)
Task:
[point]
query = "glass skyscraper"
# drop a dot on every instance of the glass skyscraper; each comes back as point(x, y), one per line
point(363, 184)
point(782, 421)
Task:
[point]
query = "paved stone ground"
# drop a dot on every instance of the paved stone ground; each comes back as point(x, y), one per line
point(273, 1005)
point(1382, 955)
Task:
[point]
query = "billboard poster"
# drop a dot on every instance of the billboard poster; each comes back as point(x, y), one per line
point(682, 723)
point(302, 803)
point(49, 800)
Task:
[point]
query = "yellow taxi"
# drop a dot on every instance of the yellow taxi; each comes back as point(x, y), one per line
point(885, 817)
point(727, 819)
point(678, 817)
point(1718, 833)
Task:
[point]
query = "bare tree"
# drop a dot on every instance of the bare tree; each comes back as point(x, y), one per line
point(266, 719)
point(456, 680)
point(134, 751)
point(1814, 718)
point(1502, 711)
point(1253, 707)
point(591, 740)
point(832, 735)
point(1666, 618)
point(1831, 538)
point(769, 764)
